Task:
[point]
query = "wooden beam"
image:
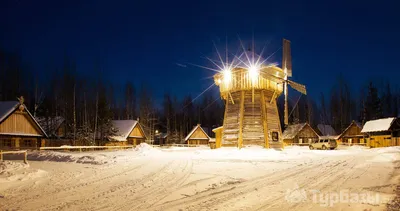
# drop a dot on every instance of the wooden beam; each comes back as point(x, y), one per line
point(264, 119)
point(280, 140)
point(252, 95)
point(230, 96)
point(273, 97)
point(241, 115)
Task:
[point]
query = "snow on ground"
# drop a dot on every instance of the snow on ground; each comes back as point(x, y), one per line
point(253, 178)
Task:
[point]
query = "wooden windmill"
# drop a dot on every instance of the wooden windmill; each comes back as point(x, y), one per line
point(250, 89)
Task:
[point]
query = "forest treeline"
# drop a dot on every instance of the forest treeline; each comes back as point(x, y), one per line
point(89, 103)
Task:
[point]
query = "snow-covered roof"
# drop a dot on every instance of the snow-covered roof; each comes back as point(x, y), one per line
point(378, 125)
point(124, 128)
point(7, 107)
point(194, 129)
point(50, 124)
point(163, 135)
point(217, 128)
point(292, 130)
point(329, 137)
point(326, 130)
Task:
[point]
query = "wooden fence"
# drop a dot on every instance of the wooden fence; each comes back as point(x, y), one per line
point(182, 145)
point(80, 148)
point(15, 152)
point(352, 144)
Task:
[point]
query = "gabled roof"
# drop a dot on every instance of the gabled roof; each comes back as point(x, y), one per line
point(124, 128)
point(194, 129)
point(378, 125)
point(8, 107)
point(50, 124)
point(326, 130)
point(352, 123)
point(292, 130)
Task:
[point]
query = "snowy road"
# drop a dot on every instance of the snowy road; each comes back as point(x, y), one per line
point(202, 179)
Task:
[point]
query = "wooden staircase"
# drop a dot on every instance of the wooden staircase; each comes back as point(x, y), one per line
point(253, 132)
point(255, 120)
point(231, 121)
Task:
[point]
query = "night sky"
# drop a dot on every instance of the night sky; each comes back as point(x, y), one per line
point(153, 42)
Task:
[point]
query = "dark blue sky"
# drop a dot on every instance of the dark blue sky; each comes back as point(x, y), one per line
point(143, 41)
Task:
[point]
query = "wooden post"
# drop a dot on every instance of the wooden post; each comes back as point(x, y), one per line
point(225, 117)
point(16, 143)
point(26, 157)
point(241, 114)
point(1, 155)
point(43, 142)
point(264, 116)
point(252, 95)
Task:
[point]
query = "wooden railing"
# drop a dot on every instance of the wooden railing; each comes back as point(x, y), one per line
point(241, 80)
point(15, 152)
point(352, 144)
point(297, 144)
point(86, 147)
point(182, 145)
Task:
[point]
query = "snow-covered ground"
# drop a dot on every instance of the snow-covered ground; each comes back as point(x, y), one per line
point(148, 178)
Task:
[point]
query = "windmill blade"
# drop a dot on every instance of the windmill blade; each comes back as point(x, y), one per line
point(271, 77)
point(274, 71)
point(287, 58)
point(299, 87)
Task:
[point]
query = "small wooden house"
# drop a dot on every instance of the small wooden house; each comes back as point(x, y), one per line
point(326, 130)
point(160, 138)
point(218, 136)
point(352, 134)
point(383, 132)
point(299, 134)
point(53, 126)
point(197, 136)
point(18, 128)
point(129, 132)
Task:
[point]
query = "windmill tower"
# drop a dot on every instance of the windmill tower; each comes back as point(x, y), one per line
point(250, 89)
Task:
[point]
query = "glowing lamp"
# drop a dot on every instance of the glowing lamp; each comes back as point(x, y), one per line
point(253, 73)
point(227, 74)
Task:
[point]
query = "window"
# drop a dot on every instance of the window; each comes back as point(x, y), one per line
point(5, 143)
point(27, 143)
point(326, 141)
point(275, 136)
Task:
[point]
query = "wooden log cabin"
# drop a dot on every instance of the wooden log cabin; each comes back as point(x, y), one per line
point(55, 130)
point(352, 134)
point(299, 134)
point(326, 130)
point(18, 128)
point(129, 132)
point(218, 136)
point(382, 132)
point(53, 126)
point(197, 136)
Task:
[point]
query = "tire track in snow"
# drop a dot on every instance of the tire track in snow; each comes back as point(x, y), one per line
point(110, 191)
point(320, 178)
point(226, 192)
point(159, 191)
point(19, 199)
